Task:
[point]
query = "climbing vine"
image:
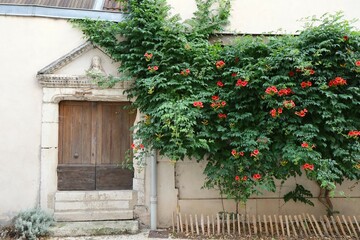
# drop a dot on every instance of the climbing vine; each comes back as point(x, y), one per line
point(258, 110)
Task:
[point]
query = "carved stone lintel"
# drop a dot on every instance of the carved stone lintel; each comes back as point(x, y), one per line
point(74, 81)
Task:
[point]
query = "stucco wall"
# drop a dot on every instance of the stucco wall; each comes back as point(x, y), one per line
point(263, 16)
point(180, 189)
point(26, 46)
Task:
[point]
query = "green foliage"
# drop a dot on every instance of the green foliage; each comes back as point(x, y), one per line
point(299, 194)
point(258, 110)
point(33, 223)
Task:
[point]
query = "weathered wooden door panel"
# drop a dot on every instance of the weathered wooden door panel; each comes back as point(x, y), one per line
point(113, 178)
point(115, 134)
point(93, 140)
point(75, 132)
point(76, 177)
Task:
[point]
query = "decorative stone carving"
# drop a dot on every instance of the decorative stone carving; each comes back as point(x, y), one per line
point(96, 67)
point(49, 79)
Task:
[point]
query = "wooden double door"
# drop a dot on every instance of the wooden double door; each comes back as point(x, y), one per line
point(93, 140)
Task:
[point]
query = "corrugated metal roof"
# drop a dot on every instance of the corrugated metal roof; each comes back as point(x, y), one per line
point(109, 5)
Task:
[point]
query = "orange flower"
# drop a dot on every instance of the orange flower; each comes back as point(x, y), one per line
point(289, 104)
point(354, 133)
point(198, 104)
point(308, 166)
point(220, 64)
point(284, 91)
point(254, 153)
point(305, 145)
point(222, 115)
point(185, 72)
point(338, 81)
point(241, 83)
point(220, 83)
point(148, 56)
point(302, 113)
point(256, 176)
point(271, 90)
point(233, 152)
point(306, 84)
point(215, 98)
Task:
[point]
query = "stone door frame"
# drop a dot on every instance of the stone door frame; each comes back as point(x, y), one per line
point(52, 94)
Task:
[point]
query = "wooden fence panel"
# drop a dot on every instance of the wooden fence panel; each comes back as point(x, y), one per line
point(286, 226)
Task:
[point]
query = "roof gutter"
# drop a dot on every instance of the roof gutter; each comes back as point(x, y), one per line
point(56, 12)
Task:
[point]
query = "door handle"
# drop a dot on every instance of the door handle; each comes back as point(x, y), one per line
point(76, 155)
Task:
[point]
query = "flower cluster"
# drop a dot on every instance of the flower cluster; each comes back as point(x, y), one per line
point(254, 153)
point(241, 83)
point(222, 115)
point(302, 113)
point(357, 63)
point(198, 104)
point(220, 83)
point(310, 71)
point(237, 154)
point(256, 176)
point(148, 56)
point(237, 178)
point(308, 166)
point(338, 81)
point(271, 90)
point(220, 64)
point(354, 133)
point(185, 72)
point(289, 104)
point(305, 84)
point(153, 69)
point(217, 103)
point(215, 98)
point(275, 113)
point(305, 145)
point(285, 91)
point(134, 147)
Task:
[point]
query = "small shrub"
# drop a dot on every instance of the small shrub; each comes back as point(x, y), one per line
point(32, 223)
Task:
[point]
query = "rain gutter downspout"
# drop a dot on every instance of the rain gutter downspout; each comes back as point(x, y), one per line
point(153, 191)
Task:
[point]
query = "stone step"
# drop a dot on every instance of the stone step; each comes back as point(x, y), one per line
point(73, 229)
point(93, 215)
point(72, 196)
point(92, 205)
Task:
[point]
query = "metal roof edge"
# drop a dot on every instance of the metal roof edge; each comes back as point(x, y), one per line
point(60, 13)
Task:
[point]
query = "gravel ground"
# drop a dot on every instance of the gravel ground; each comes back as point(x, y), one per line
point(142, 235)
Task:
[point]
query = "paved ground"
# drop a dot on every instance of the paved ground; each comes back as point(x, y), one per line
point(142, 235)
